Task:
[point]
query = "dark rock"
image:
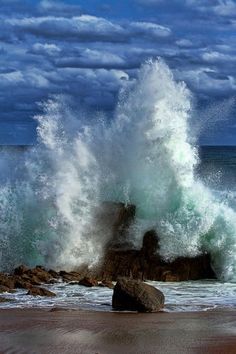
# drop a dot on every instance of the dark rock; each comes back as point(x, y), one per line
point(147, 264)
point(22, 284)
point(134, 295)
point(7, 281)
point(150, 244)
point(40, 292)
point(4, 289)
point(53, 273)
point(115, 220)
point(68, 277)
point(42, 275)
point(21, 270)
point(88, 282)
point(106, 284)
point(169, 276)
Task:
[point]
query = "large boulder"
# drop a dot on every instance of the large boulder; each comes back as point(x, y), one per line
point(134, 295)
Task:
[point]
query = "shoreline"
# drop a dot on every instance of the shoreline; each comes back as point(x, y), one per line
point(88, 332)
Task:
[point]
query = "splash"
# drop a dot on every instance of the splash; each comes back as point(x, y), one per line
point(145, 155)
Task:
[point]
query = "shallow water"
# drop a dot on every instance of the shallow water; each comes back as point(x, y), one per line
point(179, 297)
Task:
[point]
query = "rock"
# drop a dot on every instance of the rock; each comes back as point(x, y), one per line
point(150, 243)
point(7, 281)
point(42, 275)
point(4, 289)
point(89, 282)
point(20, 270)
point(40, 292)
point(68, 277)
point(115, 219)
point(146, 264)
point(54, 274)
point(32, 279)
point(106, 284)
point(169, 276)
point(21, 284)
point(134, 295)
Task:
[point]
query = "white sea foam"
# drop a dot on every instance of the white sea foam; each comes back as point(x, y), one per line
point(144, 155)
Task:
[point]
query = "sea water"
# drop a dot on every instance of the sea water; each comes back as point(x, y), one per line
point(146, 154)
point(179, 297)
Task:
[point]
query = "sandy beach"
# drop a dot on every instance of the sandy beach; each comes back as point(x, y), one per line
point(60, 331)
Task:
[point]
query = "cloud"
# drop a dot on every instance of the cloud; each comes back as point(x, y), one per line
point(51, 47)
point(203, 82)
point(150, 30)
point(92, 59)
point(87, 28)
point(217, 57)
point(225, 8)
point(45, 49)
point(84, 28)
point(59, 8)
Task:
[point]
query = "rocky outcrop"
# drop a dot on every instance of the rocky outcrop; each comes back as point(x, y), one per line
point(146, 264)
point(121, 259)
point(132, 263)
point(134, 295)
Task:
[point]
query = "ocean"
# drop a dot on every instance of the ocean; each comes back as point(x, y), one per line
point(146, 155)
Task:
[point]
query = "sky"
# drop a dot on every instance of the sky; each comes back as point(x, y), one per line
point(87, 48)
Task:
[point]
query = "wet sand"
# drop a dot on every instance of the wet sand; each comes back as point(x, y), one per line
point(41, 331)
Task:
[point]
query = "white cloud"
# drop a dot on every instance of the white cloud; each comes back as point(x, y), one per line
point(48, 49)
point(225, 8)
point(184, 43)
point(12, 77)
point(150, 29)
point(218, 57)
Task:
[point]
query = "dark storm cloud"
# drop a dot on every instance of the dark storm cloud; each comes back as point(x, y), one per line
point(75, 48)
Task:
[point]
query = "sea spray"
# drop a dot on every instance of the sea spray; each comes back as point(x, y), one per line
point(144, 155)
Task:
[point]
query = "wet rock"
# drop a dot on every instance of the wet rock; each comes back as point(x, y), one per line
point(42, 275)
point(6, 280)
point(169, 276)
point(54, 274)
point(4, 289)
point(134, 295)
point(40, 292)
point(106, 284)
point(89, 282)
point(22, 284)
point(150, 244)
point(68, 277)
point(146, 264)
point(22, 269)
point(115, 220)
